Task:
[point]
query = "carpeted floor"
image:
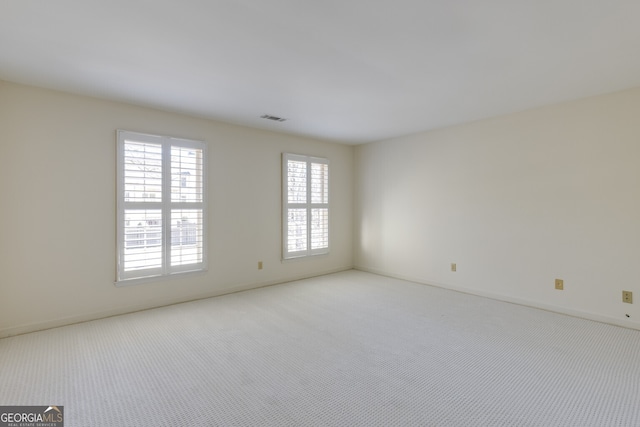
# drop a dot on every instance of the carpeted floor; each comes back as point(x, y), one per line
point(348, 349)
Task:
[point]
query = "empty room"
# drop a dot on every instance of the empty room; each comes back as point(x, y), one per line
point(338, 213)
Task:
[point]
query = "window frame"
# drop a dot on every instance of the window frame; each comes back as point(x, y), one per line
point(166, 207)
point(308, 205)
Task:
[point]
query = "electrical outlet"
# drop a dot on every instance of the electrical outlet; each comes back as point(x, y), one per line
point(259, 265)
point(453, 266)
point(627, 296)
point(559, 284)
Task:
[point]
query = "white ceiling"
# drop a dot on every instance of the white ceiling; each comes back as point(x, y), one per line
point(350, 71)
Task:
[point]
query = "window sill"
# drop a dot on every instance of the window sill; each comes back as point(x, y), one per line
point(304, 257)
point(152, 279)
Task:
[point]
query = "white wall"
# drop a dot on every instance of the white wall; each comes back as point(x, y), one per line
point(57, 214)
point(516, 202)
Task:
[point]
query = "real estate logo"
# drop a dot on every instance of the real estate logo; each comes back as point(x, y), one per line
point(32, 416)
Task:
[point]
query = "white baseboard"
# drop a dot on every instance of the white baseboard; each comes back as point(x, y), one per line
point(54, 323)
point(507, 298)
point(69, 320)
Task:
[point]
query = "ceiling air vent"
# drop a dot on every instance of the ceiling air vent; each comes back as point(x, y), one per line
point(274, 118)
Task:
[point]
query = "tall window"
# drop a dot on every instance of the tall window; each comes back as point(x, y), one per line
point(305, 205)
point(161, 206)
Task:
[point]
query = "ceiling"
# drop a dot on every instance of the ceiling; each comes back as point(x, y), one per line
point(350, 71)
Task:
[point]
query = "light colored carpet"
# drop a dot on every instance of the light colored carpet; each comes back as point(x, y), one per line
point(348, 349)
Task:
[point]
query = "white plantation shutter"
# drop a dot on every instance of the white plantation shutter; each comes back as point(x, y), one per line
point(306, 205)
point(319, 191)
point(161, 206)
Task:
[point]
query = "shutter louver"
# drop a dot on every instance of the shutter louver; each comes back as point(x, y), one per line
point(142, 239)
point(186, 175)
point(186, 236)
point(142, 172)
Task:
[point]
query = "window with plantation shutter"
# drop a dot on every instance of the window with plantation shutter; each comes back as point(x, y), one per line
point(161, 206)
point(305, 205)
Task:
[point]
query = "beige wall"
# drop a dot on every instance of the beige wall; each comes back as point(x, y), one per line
point(57, 215)
point(516, 202)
